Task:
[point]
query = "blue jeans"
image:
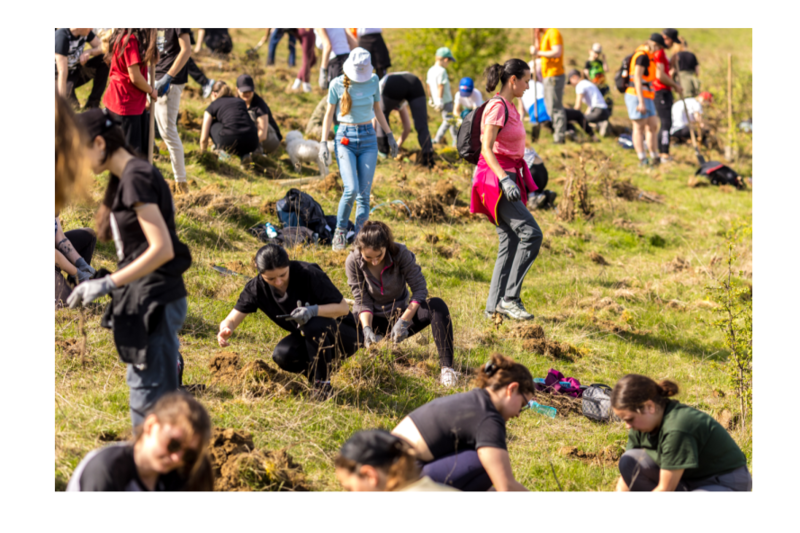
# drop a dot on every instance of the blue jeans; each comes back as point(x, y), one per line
point(160, 375)
point(357, 162)
point(274, 38)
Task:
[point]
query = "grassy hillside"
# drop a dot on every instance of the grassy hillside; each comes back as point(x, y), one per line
point(639, 312)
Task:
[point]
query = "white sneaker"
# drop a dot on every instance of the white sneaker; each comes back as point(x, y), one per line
point(306, 87)
point(296, 84)
point(207, 88)
point(449, 377)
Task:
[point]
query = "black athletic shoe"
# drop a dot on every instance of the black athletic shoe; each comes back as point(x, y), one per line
point(551, 198)
point(322, 391)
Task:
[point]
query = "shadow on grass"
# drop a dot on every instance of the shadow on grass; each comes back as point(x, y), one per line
point(650, 340)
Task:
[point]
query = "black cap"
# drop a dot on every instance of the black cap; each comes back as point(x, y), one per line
point(245, 83)
point(672, 33)
point(95, 122)
point(658, 39)
point(374, 447)
point(573, 72)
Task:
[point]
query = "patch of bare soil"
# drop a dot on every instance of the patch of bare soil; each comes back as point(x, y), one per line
point(72, 347)
point(558, 230)
point(614, 327)
point(198, 198)
point(330, 183)
point(187, 119)
point(726, 418)
point(256, 377)
point(534, 340)
point(679, 264)
point(239, 467)
point(694, 181)
point(627, 283)
point(605, 456)
point(625, 294)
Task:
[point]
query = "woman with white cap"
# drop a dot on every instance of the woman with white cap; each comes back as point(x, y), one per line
point(356, 94)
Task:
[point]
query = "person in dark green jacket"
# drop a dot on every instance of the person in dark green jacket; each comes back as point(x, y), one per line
point(671, 446)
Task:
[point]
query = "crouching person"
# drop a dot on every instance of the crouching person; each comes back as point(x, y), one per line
point(300, 298)
point(671, 446)
point(379, 272)
point(461, 438)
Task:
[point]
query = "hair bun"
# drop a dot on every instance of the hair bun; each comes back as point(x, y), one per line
point(668, 388)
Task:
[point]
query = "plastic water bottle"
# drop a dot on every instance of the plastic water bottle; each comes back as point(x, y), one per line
point(542, 409)
point(271, 231)
point(540, 381)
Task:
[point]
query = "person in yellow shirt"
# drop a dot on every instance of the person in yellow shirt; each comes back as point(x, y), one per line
point(551, 50)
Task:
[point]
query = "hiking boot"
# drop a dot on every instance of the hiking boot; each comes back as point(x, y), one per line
point(537, 201)
point(322, 391)
point(513, 309)
point(339, 240)
point(449, 377)
point(207, 88)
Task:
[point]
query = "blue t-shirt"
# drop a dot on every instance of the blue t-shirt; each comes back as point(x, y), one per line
point(364, 96)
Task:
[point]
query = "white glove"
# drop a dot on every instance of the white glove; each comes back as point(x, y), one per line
point(88, 291)
point(393, 148)
point(324, 154)
point(323, 78)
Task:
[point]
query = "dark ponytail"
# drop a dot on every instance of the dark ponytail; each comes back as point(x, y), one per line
point(633, 390)
point(376, 235)
point(271, 257)
point(497, 73)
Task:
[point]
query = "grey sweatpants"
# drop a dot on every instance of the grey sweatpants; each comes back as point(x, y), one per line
point(554, 102)
point(641, 473)
point(160, 374)
point(447, 117)
point(520, 239)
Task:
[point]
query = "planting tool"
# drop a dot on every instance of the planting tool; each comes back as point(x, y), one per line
point(151, 139)
point(536, 128)
point(226, 272)
point(282, 316)
point(542, 409)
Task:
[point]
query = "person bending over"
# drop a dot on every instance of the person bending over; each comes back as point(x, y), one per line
point(671, 446)
point(402, 91)
point(169, 452)
point(461, 438)
point(300, 298)
point(75, 67)
point(148, 296)
point(468, 98)
point(228, 124)
point(375, 460)
point(269, 134)
point(596, 109)
point(680, 122)
point(380, 272)
point(74, 250)
point(218, 40)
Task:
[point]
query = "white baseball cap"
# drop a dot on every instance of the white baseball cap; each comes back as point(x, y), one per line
point(358, 66)
point(597, 48)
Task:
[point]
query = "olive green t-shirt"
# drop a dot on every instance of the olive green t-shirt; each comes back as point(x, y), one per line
point(691, 440)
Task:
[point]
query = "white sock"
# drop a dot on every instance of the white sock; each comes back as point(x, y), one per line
point(641, 155)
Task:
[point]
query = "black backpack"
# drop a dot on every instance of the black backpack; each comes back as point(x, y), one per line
point(469, 133)
point(719, 174)
point(300, 209)
point(623, 76)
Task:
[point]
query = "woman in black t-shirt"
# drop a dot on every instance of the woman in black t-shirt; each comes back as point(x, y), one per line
point(462, 438)
point(300, 298)
point(227, 122)
point(168, 453)
point(148, 303)
point(269, 134)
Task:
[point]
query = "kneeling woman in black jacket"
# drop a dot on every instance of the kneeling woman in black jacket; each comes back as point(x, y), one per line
point(148, 303)
point(228, 124)
point(379, 272)
point(300, 298)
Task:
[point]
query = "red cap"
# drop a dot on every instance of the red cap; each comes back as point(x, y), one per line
point(707, 96)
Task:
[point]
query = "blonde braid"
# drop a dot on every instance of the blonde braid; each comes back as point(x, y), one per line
point(347, 102)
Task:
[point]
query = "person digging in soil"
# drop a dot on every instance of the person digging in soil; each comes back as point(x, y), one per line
point(75, 67)
point(542, 198)
point(461, 438)
point(380, 272)
point(168, 453)
point(500, 188)
point(148, 297)
point(74, 250)
point(596, 109)
point(269, 134)
point(671, 446)
point(300, 298)
point(402, 91)
point(377, 461)
point(229, 125)
point(356, 94)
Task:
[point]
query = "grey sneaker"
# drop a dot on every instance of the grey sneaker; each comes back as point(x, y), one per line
point(339, 240)
point(207, 88)
point(537, 200)
point(449, 377)
point(513, 309)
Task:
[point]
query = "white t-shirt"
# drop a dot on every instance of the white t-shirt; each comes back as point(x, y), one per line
point(679, 114)
point(527, 96)
point(366, 31)
point(338, 38)
point(591, 94)
point(469, 102)
point(437, 75)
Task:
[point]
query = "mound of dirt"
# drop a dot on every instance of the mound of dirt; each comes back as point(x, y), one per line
point(447, 251)
point(626, 283)
point(435, 203)
point(269, 207)
point(431, 238)
point(627, 190)
point(534, 340)
point(625, 294)
point(261, 471)
point(676, 304)
point(72, 347)
point(599, 259)
point(694, 181)
point(329, 183)
point(559, 230)
point(256, 377)
point(527, 331)
point(679, 264)
point(188, 120)
point(445, 191)
point(605, 456)
point(615, 327)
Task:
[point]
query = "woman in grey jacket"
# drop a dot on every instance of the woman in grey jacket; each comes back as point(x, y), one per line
point(380, 272)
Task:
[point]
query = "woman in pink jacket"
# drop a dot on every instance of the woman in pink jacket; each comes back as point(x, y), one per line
point(501, 185)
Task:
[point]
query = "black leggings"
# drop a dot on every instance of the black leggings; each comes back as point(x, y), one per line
point(136, 129)
point(195, 72)
point(540, 176)
point(432, 312)
point(664, 101)
point(419, 114)
point(310, 349)
point(597, 114)
point(235, 144)
point(95, 70)
point(574, 115)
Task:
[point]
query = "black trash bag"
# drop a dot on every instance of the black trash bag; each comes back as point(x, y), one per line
point(719, 174)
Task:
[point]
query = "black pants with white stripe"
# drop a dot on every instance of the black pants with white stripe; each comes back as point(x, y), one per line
point(664, 101)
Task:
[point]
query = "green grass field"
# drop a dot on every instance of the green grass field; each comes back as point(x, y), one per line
point(639, 313)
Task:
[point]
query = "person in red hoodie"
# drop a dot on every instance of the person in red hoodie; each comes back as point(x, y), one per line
point(501, 185)
point(130, 51)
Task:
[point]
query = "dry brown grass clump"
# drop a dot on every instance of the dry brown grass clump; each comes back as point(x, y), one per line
point(599, 259)
point(240, 267)
point(606, 456)
point(239, 467)
point(329, 183)
point(627, 190)
point(679, 264)
point(436, 203)
point(601, 303)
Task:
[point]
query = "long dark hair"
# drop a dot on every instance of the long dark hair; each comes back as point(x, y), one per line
point(376, 235)
point(270, 257)
point(633, 390)
point(501, 371)
point(147, 43)
point(497, 73)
